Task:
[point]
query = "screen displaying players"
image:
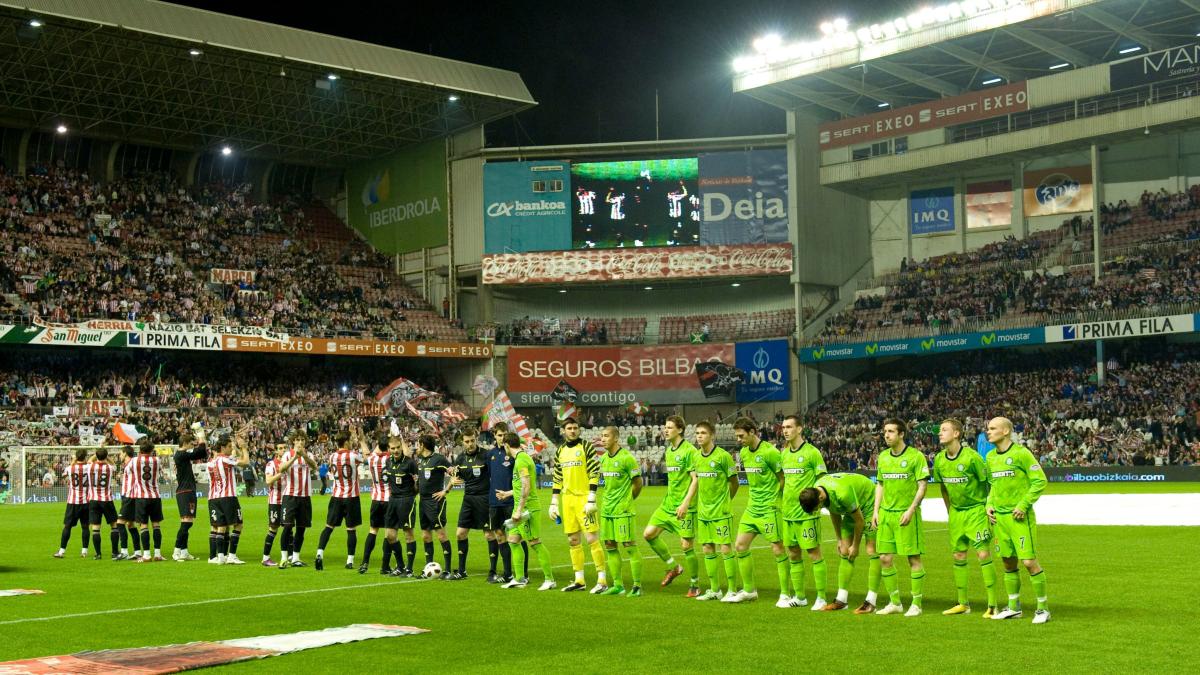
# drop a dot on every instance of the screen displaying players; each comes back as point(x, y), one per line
point(635, 203)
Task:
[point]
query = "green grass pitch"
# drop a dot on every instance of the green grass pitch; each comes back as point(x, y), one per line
point(1122, 600)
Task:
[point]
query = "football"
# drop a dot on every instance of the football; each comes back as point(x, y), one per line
point(431, 571)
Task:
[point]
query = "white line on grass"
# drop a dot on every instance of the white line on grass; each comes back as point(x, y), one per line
point(262, 596)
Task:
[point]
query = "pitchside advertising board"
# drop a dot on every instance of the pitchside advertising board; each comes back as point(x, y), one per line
point(1073, 332)
point(526, 206)
point(208, 337)
point(399, 203)
point(607, 376)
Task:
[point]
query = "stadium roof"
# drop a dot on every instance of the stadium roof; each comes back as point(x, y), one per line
point(154, 73)
point(949, 52)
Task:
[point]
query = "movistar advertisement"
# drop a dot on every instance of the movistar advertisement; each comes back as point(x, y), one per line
point(936, 344)
point(398, 203)
point(526, 206)
point(647, 202)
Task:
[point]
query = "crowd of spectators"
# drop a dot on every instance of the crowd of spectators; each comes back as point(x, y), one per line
point(141, 248)
point(962, 292)
point(164, 397)
point(1146, 412)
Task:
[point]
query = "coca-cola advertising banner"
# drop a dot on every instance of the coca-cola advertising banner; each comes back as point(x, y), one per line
point(637, 264)
point(945, 112)
point(609, 376)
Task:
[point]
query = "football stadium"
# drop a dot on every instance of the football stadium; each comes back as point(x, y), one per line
point(306, 364)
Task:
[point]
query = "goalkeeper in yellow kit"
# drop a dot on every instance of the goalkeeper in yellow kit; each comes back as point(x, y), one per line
point(576, 478)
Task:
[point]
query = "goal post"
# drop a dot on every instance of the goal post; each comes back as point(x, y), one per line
point(36, 473)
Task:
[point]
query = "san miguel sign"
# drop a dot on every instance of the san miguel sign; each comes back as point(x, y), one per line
point(945, 112)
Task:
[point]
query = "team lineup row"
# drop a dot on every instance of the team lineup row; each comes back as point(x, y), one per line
point(990, 505)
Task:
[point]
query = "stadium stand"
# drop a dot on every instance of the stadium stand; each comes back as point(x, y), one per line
point(1146, 413)
point(1148, 256)
point(143, 247)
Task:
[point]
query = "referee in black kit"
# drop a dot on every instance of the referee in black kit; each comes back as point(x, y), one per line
point(471, 471)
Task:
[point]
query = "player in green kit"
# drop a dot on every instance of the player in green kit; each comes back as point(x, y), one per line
point(525, 524)
point(677, 512)
point(848, 497)
point(622, 485)
point(717, 474)
point(1017, 480)
point(761, 462)
point(901, 478)
point(802, 466)
point(962, 476)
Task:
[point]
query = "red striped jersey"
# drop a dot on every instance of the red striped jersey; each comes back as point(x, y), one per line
point(128, 479)
point(100, 482)
point(274, 490)
point(145, 477)
point(380, 490)
point(77, 483)
point(343, 466)
point(297, 481)
point(222, 477)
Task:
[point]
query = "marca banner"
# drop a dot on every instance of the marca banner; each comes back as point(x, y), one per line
point(612, 375)
point(767, 368)
point(745, 197)
point(923, 346)
point(359, 347)
point(641, 264)
point(989, 204)
point(526, 206)
point(969, 107)
point(931, 211)
point(1107, 330)
point(218, 275)
point(1050, 192)
point(1166, 64)
point(398, 203)
point(101, 406)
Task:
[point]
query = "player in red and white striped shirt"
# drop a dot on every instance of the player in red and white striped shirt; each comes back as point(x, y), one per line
point(224, 510)
point(381, 492)
point(274, 481)
point(344, 505)
point(100, 500)
point(125, 517)
point(148, 507)
point(77, 502)
point(296, 516)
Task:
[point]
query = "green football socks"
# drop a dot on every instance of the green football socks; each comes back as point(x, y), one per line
point(746, 568)
point(960, 581)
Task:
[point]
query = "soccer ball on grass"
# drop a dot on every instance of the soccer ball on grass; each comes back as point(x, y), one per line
point(431, 571)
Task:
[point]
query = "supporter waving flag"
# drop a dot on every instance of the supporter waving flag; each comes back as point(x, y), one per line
point(397, 394)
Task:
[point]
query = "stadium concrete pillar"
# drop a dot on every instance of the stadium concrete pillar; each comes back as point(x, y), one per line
point(189, 171)
point(22, 150)
point(1018, 214)
point(110, 161)
point(264, 185)
point(485, 303)
point(1097, 200)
